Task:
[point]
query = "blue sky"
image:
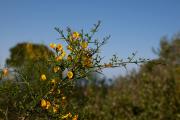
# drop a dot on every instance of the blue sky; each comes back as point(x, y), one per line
point(134, 25)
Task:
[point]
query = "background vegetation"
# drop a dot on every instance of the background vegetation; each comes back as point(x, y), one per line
point(151, 93)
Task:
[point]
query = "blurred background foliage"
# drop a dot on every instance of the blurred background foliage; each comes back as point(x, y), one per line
point(150, 93)
point(29, 59)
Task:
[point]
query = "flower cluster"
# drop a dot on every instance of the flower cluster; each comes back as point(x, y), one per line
point(66, 68)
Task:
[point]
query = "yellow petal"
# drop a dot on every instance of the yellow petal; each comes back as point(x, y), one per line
point(59, 47)
point(75, 35)
point(52, 45)
point(55, 109)
point(56, 69)
point(70, 74)
point(43, 77)
point(43, 103)
point(84, 44)
point(58, 58)
point(75, 117)
point(53, 81)
point(69, 48)
point(48, 104)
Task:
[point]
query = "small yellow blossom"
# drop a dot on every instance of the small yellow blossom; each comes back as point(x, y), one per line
point(48, 104)
point(59, 47)
point(55, 109)
point(52, 45)
point(5, 71)
point(63, 53)
point(43, 103)
point(75, 117)
point(84, 44)
point(53, 81)
point(58, 58)
point(69, 114)
point(70, 74)
point(69, 48)
point(87, 62)
point(43, 77)
point(75, 35)
point(56, 69)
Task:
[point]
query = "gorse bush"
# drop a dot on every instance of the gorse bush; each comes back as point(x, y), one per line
point(44, 88)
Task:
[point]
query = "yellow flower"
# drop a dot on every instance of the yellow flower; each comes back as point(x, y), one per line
point(53, 81)
point(87, 62)
point(55, 109)
point(69, 58)
point(43, 103)
point(84, 44)
point(69, 48)
point(5, 71)
point(59, 47)
point(70, 74)
point(43, 77)
point(52, 45)
point(69, 114)
point(63, 53)
point(75, 35)
point(56, 69)
point(58, 58)
point(48, 104)
point(75, 117)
